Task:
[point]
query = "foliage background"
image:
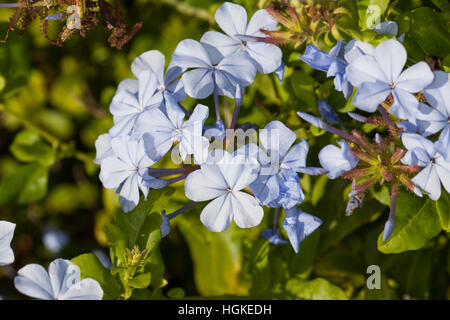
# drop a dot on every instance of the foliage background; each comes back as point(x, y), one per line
point(47, 178)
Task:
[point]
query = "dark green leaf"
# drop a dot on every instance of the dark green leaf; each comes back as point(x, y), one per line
point(91, 267)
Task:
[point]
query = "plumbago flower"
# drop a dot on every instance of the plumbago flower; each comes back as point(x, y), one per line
point(132, 99)
point(222, 178)
point(125, 171)
point(278, 183)
point(431, 120)
point(232, 18)
point(335, 62)
point(367, 163)
point(381, 75)
point(337, 160)
point(159, 132)
point(167, 86)
point(209, 73)
point(6, 235)
point(332, 63)
point(61, 282)
point(298, 225)
point(424, 153)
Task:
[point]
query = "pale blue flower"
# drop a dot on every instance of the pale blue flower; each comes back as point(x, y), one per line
point(280, 72)
point(431, 120)
point(54, 239)
point(128, 104)
point(278, 184)
point(165, 224)
point(167, 86)
point(423, 153)
point(327, 112)
point(317, 59)
point(61, 282)
point(332, 63)
point(290, 192)
point(355, 49)
point(103, 148)
point(217, 130)
point(298, 225)
point(386, 27)
point(232, 18)
point(221, 180)
point(124, 170)
point(407, 126)
point(208, 73)
point(378, 76)
point(104, 258)
point(160, 131)
point(6, 235)
point(273, 237)
point(337, 160)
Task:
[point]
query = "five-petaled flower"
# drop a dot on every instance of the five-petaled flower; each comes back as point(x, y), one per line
point(61, 282)
point(222, 178)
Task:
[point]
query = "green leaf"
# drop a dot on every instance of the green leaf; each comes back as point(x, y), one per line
point(302, 263)
point(317, 289)
point(259, 267)
point(216, 257)
point(443, 210)
point(26, 184)
point(446, 63)
point(155, 265)
point(29, 147)
point(428, 33)
point(176, 293)
point(444, 5)
point(141, 281)
point(139, 227)
point(416, 222)
point(91, 267)
point(142, 225)
point(117, 240)
point(411, 270)
point(381, 193)
point(302, 89)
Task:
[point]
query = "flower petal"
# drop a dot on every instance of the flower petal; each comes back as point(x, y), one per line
point(86, 289)
point(266, 56)
point(199, 186)
point(232, 18)
point(370, 95)
point(405, 104)
point(438, 92)
point(247, 213)
point(6, 235)
point(63, 275)
point(391, 57)
point(34, 281)
point(428, 180)
point(217, 214)
point(276, 138)
point(415, 78)
point(153, 61)
point(198, 83)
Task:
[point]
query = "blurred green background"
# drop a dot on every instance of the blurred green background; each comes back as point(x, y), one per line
point(63, 95)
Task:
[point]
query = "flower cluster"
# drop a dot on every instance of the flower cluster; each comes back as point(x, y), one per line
point(150, 123)
point(414, 105)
